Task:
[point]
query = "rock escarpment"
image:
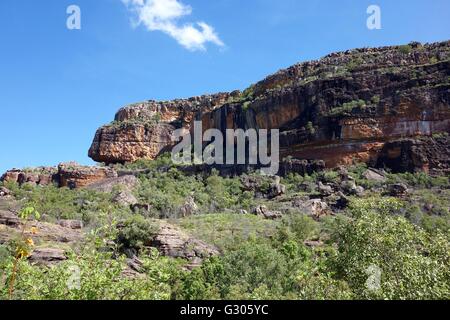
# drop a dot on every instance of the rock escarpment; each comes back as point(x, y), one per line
point(144, 130)
point(339, 109)
point(69, 174)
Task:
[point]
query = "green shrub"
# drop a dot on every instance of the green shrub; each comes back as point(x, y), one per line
point(405, 49)
point(136, 232)
point(92, 275)
point(298, 227)
point(406, 262)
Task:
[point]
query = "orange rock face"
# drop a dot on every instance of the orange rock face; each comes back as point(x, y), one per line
point(70, 175)
point(340, 109)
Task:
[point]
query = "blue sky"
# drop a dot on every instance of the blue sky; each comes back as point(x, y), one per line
point(57, 86)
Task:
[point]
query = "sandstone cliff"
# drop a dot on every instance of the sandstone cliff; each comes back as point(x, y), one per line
point(339, 109)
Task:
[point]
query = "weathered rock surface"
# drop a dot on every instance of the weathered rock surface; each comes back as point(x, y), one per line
point(427, 154)
point(262, 211)
point(125, 198)
point(47, 256)
point(189, 208)
point(374, 175)
point(4, 192)
point(70, 175)
point(75, 176)
point(128, 182)
point(173, 242)
point(71, 224)
point(339, 109)
point(263, 187)
point(398, 190)
point(144, 129)
point(314, 208)
point(39, 176)
point(9, 219)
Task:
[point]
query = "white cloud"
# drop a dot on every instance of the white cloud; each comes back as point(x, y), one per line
point(163, 15)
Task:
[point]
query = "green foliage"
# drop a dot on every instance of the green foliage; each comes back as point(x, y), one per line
point(93, 275)
point(354, 64)
point(310, 128)
point(228, 231)
point(405, 49)
point(260, 271)
point(136, 232)
point(62, 203)
point(376, 99)
point(248, 93)
point(246, 105)
point(297, 227)
point(412, 264)
point(419, 179)
point(347, 108)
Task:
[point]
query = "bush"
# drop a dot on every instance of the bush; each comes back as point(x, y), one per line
point(400, 260)
point(259, 271)
point(298, 227)
point(136, 232)
point(92, 275)
point(405, 49)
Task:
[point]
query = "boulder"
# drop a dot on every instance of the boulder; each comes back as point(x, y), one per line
point(349, 187)
point(262, 211)
point(73, 175)
point(47, 256)
point(143, 208)
point(71, 224)
point(325, 190)
point(107, 185)
point(4, 192)
point(189, 208)
point(173, 242)
point(314, 208)
point(337, 201)
point(125, 198)
point(398, 190)
point(263, 186)
point(276, 188)
point(374, 175)
point(9, 219)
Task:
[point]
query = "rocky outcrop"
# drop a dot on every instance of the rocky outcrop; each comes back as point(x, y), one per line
point(340, 109)
point(264, 212)
point(314, 208)
point(144, 130)
point(47, 256)
point(398, 190)
point(172, 242)
point(4, 192)
point(38, 176)
point(262, 186)
point(125, 198)
point(189, 207)
point(128, 182)
point(428, 154)
point(73, 175)
point(70, 175)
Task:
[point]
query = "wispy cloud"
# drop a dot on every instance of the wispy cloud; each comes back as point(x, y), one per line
point(164, 15)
